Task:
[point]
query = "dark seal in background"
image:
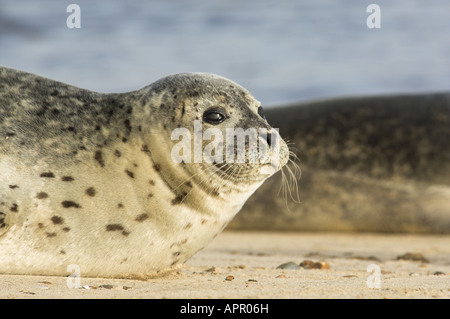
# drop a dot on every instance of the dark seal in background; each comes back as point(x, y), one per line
point(373, 164)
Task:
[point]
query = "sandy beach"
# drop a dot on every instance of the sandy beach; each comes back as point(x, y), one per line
point(244, 265)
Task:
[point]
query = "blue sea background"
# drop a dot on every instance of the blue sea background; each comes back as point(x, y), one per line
point(282, 51)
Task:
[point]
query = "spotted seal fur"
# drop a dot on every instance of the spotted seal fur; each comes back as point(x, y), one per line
point(87, 178)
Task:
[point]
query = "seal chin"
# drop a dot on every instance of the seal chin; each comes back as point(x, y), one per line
point(270, 169)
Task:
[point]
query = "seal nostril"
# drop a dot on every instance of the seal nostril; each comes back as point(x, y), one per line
point(269, 139)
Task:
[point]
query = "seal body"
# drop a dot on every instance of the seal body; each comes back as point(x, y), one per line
point(88, 178)
point(373, 164)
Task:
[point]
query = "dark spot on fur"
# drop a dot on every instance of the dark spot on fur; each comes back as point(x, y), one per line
point(117, 153)
point(47, 174)
point(40, 225)
point(41, 195)
point(13, 186)
point(67, 178)
point(62, 252)
point(157, 167)
point(161, 105)
point(127, 125)
point(130, 110)
point(188, 225)
point(204, 221)
point(57, 220)
point(189, 184)
point(66, 229)
point(14, 208)
point(71, 129)
point(41, 112)
point(183, 109)
point(174, 262)
point(145, 149)
point(150, 195)
point(2, 220)
point(120, 205)
point(97, 127)
point(91, 191)
point(51, 234)
point(114, 227)
point(131, 174)
point(176, 254)
point(69, 203)
point(10, 134)
point(83, 148)
point(141, 217)
point(214, 193)
point(124, 139)
point(152, 182)
point(117, 227)
point(177, 200)
point(54, 93)
point(99, 158)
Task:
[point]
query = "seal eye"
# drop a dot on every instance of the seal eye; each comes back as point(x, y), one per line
point(214, 116)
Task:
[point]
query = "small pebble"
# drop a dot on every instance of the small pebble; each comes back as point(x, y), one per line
point(321, 265)
point(289, 265)
point(307, 264)
point(229, 278)
point(439, 273)
point(280, 276)
point(106, 286)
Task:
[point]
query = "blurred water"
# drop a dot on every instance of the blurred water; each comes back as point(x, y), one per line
point(282, 51)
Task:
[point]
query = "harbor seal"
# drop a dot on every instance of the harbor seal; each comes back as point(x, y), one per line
point(369, 164)
point(89, 178)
